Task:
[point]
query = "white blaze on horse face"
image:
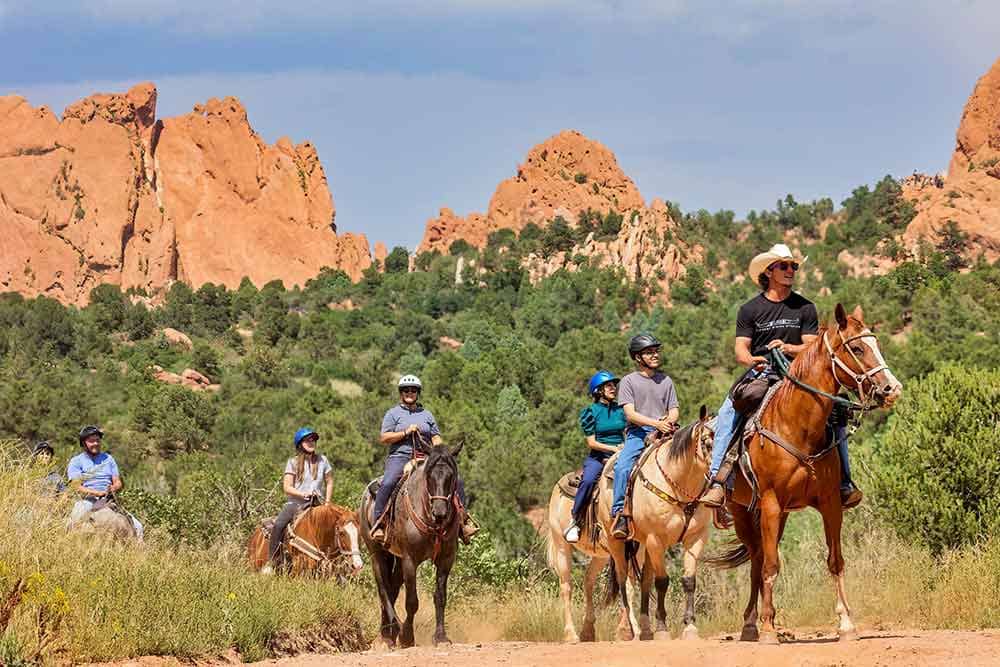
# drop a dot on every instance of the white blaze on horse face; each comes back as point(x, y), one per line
point(869, 339)
point(352, 535)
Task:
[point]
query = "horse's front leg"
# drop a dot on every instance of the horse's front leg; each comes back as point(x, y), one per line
point(412, 603)
point(441, 597)
point(693, 547)
point(382, 566)
point(770, 529)
point(833, 517)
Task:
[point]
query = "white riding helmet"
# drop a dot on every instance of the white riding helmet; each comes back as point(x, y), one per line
point(409, 381)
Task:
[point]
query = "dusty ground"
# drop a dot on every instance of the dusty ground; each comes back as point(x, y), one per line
point(953, 648)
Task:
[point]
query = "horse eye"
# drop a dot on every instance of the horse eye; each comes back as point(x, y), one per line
point(858, 350)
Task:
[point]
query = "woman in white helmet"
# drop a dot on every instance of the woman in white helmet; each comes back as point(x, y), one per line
point(400, 426)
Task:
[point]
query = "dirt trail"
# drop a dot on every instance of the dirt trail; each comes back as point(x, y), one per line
point(874, 648)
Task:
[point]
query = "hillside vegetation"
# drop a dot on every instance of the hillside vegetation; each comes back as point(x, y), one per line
point(505, 365)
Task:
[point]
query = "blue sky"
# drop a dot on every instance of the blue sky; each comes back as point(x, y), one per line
point(418, 105)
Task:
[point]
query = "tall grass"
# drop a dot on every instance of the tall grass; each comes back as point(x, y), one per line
point(86, 598)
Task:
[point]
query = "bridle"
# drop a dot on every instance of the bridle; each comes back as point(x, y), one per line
point(859, 378)
point(438, 533)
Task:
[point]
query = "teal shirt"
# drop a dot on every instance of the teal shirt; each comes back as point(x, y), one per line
point(605, 422)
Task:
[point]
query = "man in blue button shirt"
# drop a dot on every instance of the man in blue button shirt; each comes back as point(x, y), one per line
point(95, 473)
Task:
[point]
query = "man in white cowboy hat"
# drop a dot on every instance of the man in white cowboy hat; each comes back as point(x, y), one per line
point(776, 318)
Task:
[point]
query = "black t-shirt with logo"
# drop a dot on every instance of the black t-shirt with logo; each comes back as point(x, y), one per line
point(762, 320)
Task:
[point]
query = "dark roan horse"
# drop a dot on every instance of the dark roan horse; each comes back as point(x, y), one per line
point(423, 526)
point(795, 465)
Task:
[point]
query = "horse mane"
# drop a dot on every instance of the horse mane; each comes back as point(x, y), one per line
point(809, 358)
point(681, 442)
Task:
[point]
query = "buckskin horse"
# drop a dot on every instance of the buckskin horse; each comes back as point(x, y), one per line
point(423, 525)
point(796, 467)
point(323, 535)
point(665, 511)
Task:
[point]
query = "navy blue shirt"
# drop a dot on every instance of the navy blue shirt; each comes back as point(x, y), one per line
point(398, 418)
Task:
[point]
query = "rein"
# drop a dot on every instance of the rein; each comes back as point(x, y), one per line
point(438, 534)
point(313, 552)
point(690, 506)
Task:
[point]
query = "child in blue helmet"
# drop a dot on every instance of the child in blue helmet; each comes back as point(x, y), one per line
point(304, 479)
point(603, 423)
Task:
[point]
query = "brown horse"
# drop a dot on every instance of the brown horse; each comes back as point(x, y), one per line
point(794, 465)
point(426, 517)
point(328, 531)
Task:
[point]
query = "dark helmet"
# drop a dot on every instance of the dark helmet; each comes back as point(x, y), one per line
point(600, 378)
point(302, 434)
point(641, 342)
point(43, 446)
point(88, 431)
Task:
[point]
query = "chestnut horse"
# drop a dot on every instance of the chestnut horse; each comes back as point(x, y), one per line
point(424, 525)
point(794, 465)
point(329, 532)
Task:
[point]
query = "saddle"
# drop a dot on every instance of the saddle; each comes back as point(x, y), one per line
point(652, 442)
point(293, 541)
point(390, 508)
point(569, 486)
point(569, 483)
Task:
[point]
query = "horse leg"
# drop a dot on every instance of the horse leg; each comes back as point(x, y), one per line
point(594, 568)
point(833, 517)
point(749, 534)
point(412, 603)
point(770, 526)
point(382, 570)
point(395, 584)
point(624, 631)
point(441, 599)
point(645, 588)
point(692, 552)
point(562, 561)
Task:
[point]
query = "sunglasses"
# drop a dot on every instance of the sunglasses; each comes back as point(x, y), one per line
point(409, 390)
point(784, 266)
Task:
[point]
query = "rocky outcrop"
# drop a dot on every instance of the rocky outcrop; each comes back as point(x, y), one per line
point(564, 175)
point(969, 195)
point(179, 338)
point(110, 194)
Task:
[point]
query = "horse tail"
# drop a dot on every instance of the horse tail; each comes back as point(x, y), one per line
point(613, 592)
point(737, 555)
point(551, 551)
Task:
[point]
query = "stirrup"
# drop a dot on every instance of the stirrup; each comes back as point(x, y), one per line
point(572, 533)
point(714, 496)
point(468, 528)
point(621, 529)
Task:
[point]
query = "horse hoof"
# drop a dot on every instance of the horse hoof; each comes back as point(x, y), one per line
point(661, 636)
point(690, 632)
point(588, 635)
point(848, 635)
point(749, 634)
point(442, 641)
point(770, 638)
point(382, 645)
point(645, 636)
point(625, 635)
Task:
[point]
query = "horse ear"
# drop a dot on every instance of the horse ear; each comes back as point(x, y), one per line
point(841, 316)
point(458, 449)
point(702, 413)
point(858, 314)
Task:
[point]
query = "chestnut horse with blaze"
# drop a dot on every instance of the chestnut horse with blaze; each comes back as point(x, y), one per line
point(331, 529)
point(796, 467)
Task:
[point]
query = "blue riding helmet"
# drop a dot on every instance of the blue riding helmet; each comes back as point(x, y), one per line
point(600, 377)
point(302, 434)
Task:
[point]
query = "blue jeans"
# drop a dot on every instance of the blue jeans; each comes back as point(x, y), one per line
point(394, 464)
point(593, 465)
point(840, 434)
point(634, 443)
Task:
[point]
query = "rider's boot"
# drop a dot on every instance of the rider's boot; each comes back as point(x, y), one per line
point(469, 528)
point(377, 531)
point(621, 527)
point(715, 494)
point(572, 533)
point(850, 496)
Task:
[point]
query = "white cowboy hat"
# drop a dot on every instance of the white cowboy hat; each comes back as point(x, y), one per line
point(777, 253)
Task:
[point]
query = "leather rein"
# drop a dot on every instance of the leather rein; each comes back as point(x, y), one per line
point(689, 506)
point(438, 533)
point(860, 378)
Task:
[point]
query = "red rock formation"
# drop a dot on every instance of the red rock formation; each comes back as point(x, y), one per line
point(970, 194)
point(566, 174)
point(112, 195)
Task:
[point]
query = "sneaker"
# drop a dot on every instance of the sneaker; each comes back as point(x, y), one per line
point(267, 570)
point(572, 533)
point(620, 531)
point(715, 496)
point(850, 497)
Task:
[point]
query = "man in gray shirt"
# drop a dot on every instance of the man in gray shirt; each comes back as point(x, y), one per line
point(650, 403)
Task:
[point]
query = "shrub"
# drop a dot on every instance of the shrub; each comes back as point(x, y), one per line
point(398, 261)
point(937, 473)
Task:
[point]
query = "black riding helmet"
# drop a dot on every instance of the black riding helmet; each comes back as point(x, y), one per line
point(88, 431)
point(43, 446)
point(641, 342)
